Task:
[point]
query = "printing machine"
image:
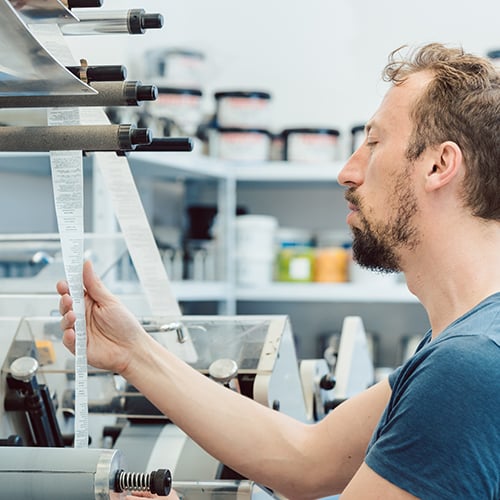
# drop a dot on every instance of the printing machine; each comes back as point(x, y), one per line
point(254, 355)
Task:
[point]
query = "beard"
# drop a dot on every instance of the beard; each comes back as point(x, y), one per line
point(376, 246)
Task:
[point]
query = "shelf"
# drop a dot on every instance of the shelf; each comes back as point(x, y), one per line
point(183, 291)
point(282, 171)
point(188, 165)
point(27, 163)
point(177, 165)
point(327, 292)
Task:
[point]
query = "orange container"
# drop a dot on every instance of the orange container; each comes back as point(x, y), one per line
point(331, 265)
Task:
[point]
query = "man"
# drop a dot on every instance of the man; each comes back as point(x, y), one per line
point(424, 197)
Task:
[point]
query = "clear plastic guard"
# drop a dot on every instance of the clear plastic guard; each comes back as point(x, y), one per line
point(252, 342)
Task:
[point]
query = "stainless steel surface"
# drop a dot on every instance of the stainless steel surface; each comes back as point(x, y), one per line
point(26, 68)
point(101, 22)
point(59, 473)
point(220, 490)
point(43, 11)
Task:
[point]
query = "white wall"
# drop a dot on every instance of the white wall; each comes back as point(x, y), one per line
point(321, 59)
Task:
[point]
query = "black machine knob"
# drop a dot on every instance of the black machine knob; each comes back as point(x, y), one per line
point(139, 21)
point(327, 382)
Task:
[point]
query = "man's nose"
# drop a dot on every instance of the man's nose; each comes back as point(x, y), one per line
point(352, 173)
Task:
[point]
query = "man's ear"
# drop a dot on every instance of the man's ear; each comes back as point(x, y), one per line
point(445, 167)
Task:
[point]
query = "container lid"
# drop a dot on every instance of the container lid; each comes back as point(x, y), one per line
point(178, 91)
point(310, 130)
point(240, 130)
point(291, 236)
point(494, 54)
point(357, 128)
point(251, 94)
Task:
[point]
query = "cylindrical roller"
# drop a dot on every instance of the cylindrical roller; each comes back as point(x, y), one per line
point(123, 137)
point(128, 93)
point(104, 73)
point(59, 473)
point(80, 4)
point(98, 22)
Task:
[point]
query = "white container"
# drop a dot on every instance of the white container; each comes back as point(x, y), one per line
point(176, 67)
point(245, 109)
point(254, 270)
point(180, 105)
point(242, 144)
point(312, 145)
point(256, 235)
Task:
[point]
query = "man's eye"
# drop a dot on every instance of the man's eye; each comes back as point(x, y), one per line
point(371, 144)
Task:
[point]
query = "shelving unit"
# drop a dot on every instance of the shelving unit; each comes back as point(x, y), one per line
point(313, 307)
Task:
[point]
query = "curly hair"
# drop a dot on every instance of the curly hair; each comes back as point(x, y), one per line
point(460, 104)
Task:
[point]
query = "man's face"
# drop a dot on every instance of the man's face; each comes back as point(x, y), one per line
point(379, 177)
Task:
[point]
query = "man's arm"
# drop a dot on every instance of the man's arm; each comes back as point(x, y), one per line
point(297, 460)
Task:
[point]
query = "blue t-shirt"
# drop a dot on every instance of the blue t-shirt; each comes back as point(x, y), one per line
point(439, 437)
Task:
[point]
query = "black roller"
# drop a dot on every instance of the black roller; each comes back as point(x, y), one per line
point(81, 4)
point(106, 73)
point(147, 92)
point(168, 144)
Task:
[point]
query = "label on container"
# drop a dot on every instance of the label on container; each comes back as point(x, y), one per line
point(246, 112)
point(312, 147)
point(244, 146)
point(296, 264)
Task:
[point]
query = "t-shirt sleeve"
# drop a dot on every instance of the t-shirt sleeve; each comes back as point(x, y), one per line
point(440, 435)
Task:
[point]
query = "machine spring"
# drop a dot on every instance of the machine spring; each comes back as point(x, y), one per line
point(134, 481)
point(158, 482)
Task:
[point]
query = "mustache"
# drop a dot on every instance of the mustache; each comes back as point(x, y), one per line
point(352, 197)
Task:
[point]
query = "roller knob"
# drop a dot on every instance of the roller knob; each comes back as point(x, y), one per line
point(223, 370)
point(24, 368)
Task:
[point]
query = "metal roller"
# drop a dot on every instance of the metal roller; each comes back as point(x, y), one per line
point(128, 93)
point(76, 473)
point(99, 22)
point(74, 138)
